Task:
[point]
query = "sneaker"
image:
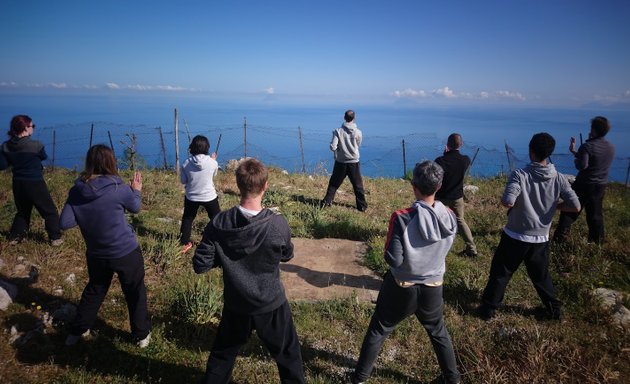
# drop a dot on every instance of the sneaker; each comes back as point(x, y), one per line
point(556, 314)
point(468, 253)
point(15, 241)
point(73, 339)
point(186, 247)
point(442, 380)
point(486, 313)
point(324, 204)
point(56, 242)
point(144, 342)
point(352, 379)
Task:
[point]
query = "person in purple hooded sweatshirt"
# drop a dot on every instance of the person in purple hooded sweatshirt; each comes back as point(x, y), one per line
point(97, 204)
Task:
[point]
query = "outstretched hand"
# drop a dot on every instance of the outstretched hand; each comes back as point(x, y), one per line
point(136, 182)
point(572, 145)
point(214, 155)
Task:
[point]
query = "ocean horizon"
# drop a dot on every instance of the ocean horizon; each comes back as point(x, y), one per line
point(495, 136)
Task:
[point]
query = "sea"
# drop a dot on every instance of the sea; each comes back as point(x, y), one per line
point(297, 137)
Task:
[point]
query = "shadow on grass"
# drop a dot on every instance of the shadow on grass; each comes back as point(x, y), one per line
point(316, 202)
point(44, 345)
point(322, 279)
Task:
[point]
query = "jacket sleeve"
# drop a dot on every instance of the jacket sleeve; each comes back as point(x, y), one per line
point(4, 163)
point(581, 158)
point(334, 142)
point(359, 137)
point(393, 244)
point(42, 153)
point(205, 258)
point(67, 219)
point(183, 178)
point(285, 232)
point(512, 189)
point(133, 201)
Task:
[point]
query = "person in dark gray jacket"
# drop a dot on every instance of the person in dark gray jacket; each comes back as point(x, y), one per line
point(531, 194)
point(345, 144)
point(418, 240)
point(248, 242)
point(593, 160)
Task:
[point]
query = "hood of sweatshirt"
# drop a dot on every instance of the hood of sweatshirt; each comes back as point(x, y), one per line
point(542, 172)
point(243, 235)
point(200, 161)
point(434, 222)
point(349, 127)
point(97, 187)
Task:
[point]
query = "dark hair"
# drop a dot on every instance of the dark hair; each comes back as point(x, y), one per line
point(348, 116)
point(19, 123)
point(600, 125)
point(251, 177)
point(542, 145)
point(427, 177)
point(199, 145)
point(100, 160)
point(454, 141)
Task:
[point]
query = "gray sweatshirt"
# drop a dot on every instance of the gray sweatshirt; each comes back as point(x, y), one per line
point(345, 143)
point(418, 240)
point(593, 160)
point(533, 192)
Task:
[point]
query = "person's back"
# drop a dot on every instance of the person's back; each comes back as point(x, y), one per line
point(593, 161)
point(25, 157)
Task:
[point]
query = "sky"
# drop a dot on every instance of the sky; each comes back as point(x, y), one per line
point(516, 52)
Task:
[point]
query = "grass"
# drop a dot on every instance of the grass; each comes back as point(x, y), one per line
point(520, 346)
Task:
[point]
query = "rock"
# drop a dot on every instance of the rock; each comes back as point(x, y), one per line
point(165, 219)
point(613, 301)
point(19, 269)
point(20, 259)
point(33, 274)
point(71, 279)
point(284, 172)
point(471, 189)
point(5, 299)
point(58, 291)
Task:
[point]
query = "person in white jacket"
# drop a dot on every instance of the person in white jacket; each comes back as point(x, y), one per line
point(345, 144)
point(197, 174)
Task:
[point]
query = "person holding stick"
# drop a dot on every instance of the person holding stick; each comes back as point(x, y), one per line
point(197, 175)
point(592, 160)
point(97, 203)
point(25, 156)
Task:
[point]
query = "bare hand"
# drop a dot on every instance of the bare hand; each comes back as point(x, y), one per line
point(214, 155)
point(136, 182)
point(572, 145)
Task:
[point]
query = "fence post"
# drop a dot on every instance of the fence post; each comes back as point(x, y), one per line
point(628, 172)
point(91, 135)
point(245, 137)
point(404, 159)
point(54, 146)
point(163, 149)
point(218, 143)
point(187, 131)
point(176, 144)
point(301, 149)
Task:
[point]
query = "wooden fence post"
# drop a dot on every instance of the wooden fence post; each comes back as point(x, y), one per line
point(176, 144)
point(404, 150)
point(91, 135)
point(163, 148)
point(54, 148)
point(111, 143)
point(301, 149)
point(245, 137)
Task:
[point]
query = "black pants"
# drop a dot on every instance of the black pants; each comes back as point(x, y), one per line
point(507, 258)
point(394, 304)
point(340, 171)
point(29, 193)
point(130, 270)
point(274, 328)
point(591, 199)
point(190, 212)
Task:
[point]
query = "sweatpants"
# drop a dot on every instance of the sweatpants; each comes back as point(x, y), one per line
point(130, 271)
point(592, 201)
point(395, 304)
point(29, 193)
point(190, 212)
point(340, 171)
point(275, 329)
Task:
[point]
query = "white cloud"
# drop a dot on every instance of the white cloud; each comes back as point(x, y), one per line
point(269, 91)
point(409, 93)
point(510, 95)
point(11, 84)
point(444, 92)
point(626, 93)
point(112, 86)
point(484, 95)
point(58, 85)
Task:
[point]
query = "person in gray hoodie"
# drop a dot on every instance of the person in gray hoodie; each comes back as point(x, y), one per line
point(418, 240)
point(345, 144)
point(531, 194)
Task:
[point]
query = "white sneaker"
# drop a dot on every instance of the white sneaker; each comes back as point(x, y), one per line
point(56, 242)
point(144, 342)
point(73, 339)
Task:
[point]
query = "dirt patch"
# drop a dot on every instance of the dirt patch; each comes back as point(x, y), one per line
point(329, 268)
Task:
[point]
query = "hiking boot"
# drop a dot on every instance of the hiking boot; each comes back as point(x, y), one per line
point(486, 313)
point(73, 339)
point(186, 247)
point(56, 242)
point(144, 342)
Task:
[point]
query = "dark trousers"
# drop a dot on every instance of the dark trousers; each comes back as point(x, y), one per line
point(591, 199)
point(507, 258)
point(275, 329)
point(29, 193)
point(340, 171)
point(393, 305)
point(130, 271)
point(190, 212)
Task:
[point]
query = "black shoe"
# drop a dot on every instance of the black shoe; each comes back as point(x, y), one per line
point(324, 204)
point(442, 380)
point(352, 379)
point(556, 314)
point(468, 253)
point(486, 313)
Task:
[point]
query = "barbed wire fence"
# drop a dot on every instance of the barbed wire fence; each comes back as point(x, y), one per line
point(291, 148)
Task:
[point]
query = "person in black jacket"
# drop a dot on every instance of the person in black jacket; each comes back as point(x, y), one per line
point(248, 242)
point(592, 160)
point(25, 156)
point(451, 193)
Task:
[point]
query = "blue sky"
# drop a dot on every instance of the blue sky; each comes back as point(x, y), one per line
point(564, 52)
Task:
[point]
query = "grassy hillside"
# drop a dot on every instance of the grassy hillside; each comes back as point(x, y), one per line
point(520, 346)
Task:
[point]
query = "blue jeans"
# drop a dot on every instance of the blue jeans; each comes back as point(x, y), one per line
point(395, 304)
